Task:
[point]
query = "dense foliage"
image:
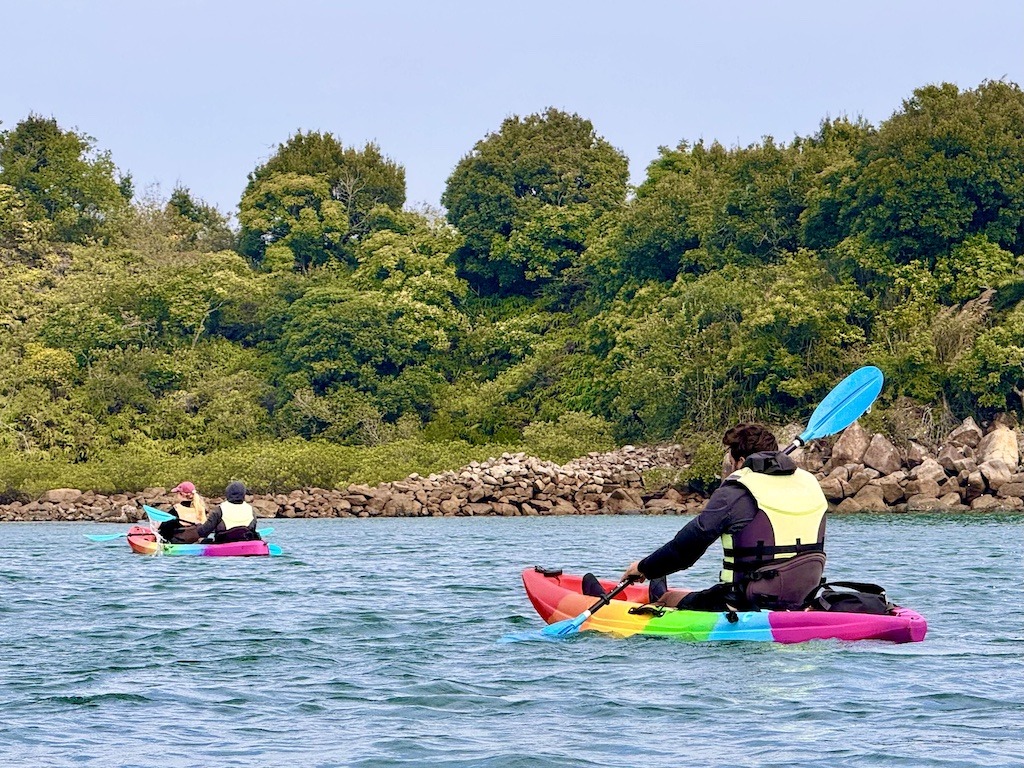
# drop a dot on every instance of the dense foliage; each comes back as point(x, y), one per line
point(338, 337)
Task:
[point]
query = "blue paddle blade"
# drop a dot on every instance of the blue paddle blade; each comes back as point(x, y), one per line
point(157, 515)
point(530, 635)
point(565, 628)
point(104, 536)
point(846, 403)
point(275, 549)
point(265, 531)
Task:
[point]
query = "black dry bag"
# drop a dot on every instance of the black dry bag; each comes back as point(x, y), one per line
point(851, 597)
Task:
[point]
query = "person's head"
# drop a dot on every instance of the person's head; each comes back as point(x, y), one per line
point(746, 439)
point(235, 492)
point(185, 488)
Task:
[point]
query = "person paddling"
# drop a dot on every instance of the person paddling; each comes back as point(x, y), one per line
point(189, 513)
point(770, 516)
point(234, 519)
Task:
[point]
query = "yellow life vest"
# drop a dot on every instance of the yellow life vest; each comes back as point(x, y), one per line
point(236, 515)
point(789, 521)
point(189, 514)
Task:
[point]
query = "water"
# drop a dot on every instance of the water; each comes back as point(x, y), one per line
point(374, 643)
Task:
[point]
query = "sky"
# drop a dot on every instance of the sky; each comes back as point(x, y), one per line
point(200, 93)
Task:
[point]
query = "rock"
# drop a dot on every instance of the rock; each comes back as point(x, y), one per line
point(949, 455)
point(622, 499)
point(851, 445)
point(983, 503)
point(832, 488)
point(926, 487)
point(995, 472)
point(999, 445)
point(915, 454)
point(1007, 490)
point(871, 499)
point(62, 495)
point(929, 469)
point(968, 433)
point(882, 456)
point(890, 485)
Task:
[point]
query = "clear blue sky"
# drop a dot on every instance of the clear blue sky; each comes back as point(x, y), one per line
point(200, 93)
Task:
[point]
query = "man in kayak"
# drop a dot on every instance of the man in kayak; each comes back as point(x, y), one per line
point(189, 513)
point(234, 519)
point(770, 516)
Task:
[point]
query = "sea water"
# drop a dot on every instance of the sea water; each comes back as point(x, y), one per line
point(375, 643)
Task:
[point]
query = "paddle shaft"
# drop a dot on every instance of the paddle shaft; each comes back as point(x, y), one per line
point(602, 602)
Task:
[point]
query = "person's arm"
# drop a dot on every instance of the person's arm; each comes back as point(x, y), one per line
point(729, 505)
point(212, 521)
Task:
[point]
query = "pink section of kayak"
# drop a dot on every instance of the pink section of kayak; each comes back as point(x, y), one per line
point(799, 626)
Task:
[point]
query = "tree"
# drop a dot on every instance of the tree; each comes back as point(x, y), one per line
point(530, 166)
point(62, 178)
point(359, 180)
point(297, 217)
point(944, 168)
point(200, 226)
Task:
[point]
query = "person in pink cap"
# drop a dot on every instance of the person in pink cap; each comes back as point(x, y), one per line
point(189, 513)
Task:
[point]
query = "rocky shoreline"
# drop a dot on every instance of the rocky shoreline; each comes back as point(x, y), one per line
point(973, 470)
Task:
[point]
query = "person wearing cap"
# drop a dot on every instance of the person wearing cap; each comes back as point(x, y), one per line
point(189, 513)
point(234, 519)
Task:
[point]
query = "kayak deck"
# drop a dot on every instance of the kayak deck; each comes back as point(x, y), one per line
point(559, 597)
point(143, 541)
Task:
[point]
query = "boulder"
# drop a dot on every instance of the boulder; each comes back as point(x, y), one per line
point(915, 454)
point(986, 502)
point(999, 445)
point(968, 433)
point(882, 455)
point(892, 490)
point(851, 445)
point(995, 472)
point(929, 469)
point(62, 495)
point(870, 499)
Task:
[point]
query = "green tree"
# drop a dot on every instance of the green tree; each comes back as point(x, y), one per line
point(290, 221)
point(944, 168)
point(62, 178)
point(528, 168)
point(359, 180)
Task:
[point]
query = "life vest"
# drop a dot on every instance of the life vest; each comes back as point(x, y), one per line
point(238, 515)
point(790, 520)
point(187, 513)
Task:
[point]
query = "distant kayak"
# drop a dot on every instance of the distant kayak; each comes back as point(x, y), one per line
point(143, 541)
point(559, 597)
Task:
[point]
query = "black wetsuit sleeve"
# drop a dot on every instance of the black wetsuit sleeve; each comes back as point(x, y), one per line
point(212, 521)
point(729, 509)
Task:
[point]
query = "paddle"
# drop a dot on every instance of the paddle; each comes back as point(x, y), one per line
point(111, 536)
point(572, 626)
point(846, 403)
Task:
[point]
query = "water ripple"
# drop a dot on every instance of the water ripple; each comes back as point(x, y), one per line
point(374, 643)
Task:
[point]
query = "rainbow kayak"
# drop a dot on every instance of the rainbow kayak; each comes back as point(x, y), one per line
point(143, 541)
point(558, 596)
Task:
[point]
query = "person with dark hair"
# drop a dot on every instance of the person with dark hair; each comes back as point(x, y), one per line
point(770, 517)
point(234, 519)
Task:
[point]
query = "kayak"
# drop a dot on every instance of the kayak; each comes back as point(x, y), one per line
point(558, 596)
point(143, 541)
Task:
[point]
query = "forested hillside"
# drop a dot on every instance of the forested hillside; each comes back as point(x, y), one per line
point(335, 336)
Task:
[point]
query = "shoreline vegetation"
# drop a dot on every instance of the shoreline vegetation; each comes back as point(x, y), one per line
point(326, 335)
point(973, 470)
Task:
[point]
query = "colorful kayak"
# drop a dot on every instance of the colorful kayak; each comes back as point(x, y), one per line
point(143, 541)
point(558, 597)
